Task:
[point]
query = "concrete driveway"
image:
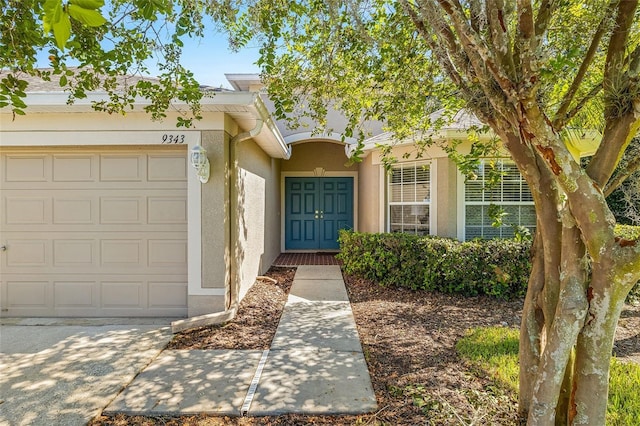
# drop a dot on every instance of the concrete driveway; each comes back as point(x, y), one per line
point(65, 372)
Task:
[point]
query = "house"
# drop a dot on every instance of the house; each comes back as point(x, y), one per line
point(104, 215)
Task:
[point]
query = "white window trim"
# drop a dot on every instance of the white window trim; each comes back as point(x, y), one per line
point(386, 204)
point(461, 204)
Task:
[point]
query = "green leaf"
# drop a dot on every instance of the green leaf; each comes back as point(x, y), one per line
point(52, 14)
point(91, 18)
point(88, 4)
point(62, 30)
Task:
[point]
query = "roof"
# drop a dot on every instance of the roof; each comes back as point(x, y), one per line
point(457, 126)
point(448, 127)
point(244, 82)
point(39, 85)
point(247, 109)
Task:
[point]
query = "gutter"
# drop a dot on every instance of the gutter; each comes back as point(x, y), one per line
point(265, 117)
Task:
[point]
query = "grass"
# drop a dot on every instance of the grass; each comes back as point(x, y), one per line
point(494, 350)
point(627, 231)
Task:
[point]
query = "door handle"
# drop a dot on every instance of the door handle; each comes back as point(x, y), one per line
point(3, 247)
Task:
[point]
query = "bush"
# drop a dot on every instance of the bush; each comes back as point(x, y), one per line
point(629, 232)
point(498, 268)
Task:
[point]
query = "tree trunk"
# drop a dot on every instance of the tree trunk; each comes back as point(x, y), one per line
point(607, 295)
point(563, 331)
point(531, 328)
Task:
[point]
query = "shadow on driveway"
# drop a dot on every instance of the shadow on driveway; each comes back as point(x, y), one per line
point(65, 374)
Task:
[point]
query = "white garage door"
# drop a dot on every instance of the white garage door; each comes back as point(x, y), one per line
point(93, 232)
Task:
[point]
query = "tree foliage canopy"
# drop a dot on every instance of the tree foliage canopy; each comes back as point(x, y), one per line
point(536, 72)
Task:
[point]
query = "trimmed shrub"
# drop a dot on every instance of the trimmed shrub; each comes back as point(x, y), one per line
point(629, 232)
point(498, 268)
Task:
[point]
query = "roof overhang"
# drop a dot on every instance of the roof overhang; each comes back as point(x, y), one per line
point(246, 108)
point(579, 142)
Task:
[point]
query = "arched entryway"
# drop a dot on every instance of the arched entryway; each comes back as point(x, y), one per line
point(319, 191)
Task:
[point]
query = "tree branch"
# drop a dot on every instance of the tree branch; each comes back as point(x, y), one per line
point(561, 116)
point(621, 121)
point(477, 51)
point(545, 12)
point(579, 105)
point(619, 178)
point(445, 60)
point(526, 38)
point(498, 28)
point(618, 42)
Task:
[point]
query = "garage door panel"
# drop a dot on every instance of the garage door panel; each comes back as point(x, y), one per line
point(122, 294)
point(28, 253)
point(167, 210)
point(167, 294)
point(74, 253)
point(122, 168)
point(167, 253)
point(167, 168)
point(28, 294)
point(27, 210)
point(93, 233)
point(94, 295)
point(75, 294)
point(74, 168)
point(27, 168)
point(122, 210)
point(74, 210)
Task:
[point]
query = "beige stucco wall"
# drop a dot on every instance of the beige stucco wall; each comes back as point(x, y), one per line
point(370, 196)
point(215, 236)
point(446, 203)
point(255, 213)
point(305, 157)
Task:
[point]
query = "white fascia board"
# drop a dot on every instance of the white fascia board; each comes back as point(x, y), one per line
point(246, 108)
point(272, 141)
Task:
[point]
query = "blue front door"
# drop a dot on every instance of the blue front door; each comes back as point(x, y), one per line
point(315, 210)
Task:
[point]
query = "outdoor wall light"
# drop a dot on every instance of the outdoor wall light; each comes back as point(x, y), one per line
point(200, 162)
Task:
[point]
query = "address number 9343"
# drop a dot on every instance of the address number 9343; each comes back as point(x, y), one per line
point(173, 138)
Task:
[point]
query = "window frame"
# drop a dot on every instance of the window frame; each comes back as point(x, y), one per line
point(431, 203)
point(463, 203)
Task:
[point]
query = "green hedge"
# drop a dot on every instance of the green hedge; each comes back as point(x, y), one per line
point(496, 267)
point(630, 232)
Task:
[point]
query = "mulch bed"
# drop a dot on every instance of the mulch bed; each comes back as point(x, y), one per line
point(408, 339)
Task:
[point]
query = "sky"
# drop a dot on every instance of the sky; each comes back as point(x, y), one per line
point(210, 58)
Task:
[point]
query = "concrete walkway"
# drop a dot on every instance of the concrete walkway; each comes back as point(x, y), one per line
point(315, 365)
point(65, 371)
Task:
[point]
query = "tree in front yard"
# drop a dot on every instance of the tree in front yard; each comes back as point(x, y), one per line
point(536, 72)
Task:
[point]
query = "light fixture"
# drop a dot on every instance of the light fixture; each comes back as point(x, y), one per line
point(200, 162)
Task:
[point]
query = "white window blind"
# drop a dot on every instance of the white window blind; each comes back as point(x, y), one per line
point(511, 193)
point(410, 198)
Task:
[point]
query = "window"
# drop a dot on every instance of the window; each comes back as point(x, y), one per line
point(410, 198)
point(511, 193)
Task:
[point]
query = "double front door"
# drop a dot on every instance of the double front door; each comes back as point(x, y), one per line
point(315, 210)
